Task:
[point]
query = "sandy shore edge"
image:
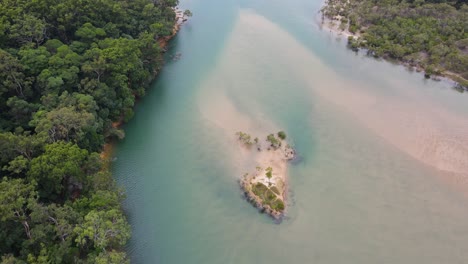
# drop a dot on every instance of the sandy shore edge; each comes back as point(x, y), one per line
point(266, 185)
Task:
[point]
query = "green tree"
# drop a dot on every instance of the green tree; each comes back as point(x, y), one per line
point(13, 145)
point(34, 60)
point(16, 200)
point(68, 70)
point(111, 257)
point(423, 33)
point(89, 33)
point(282, 135)
point(27, 29)
point(64, 123)
point(188, 13)
point(103, 229)
point(60, 165)
point(20, 111)
point(52, 232)
point(12, 76)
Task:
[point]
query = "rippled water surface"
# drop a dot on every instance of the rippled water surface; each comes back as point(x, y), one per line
point(384, 153)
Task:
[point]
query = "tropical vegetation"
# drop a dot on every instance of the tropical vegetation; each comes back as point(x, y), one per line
point(426, 34)
point(69, 71)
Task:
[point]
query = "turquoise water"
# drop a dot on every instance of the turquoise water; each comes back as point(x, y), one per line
point(383, 151)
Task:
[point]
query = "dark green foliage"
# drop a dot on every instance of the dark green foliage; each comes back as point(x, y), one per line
point(245, 138)
point(277, 205)
point(428, 34)
point(188, 13)
point(58, 167)
point(274, 142)
point(268, 196)
point(282, 135)
point(269, 172)
point(69, 70)
point(260, 189)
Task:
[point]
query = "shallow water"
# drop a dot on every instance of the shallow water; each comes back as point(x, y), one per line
point(383, 151)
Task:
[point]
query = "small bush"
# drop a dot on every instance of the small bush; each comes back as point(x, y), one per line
point(244, 138)
point(282, 135)
point(269, 172)
point(259, 189)
point(274, 142)
point(270, 196)
point(279, 205)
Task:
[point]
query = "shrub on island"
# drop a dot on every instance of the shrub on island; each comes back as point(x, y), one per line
point(282, 135)
point(274, 142)
point(244, 138)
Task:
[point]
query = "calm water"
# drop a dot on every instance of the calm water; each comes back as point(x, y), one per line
point(384, 152)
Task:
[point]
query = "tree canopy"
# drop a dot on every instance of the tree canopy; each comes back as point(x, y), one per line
point(69, 70)
point(430, 34)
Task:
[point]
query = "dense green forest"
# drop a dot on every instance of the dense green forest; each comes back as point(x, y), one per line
point(68, 70)
point(429, 34)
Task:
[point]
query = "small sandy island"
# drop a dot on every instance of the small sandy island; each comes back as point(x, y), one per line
point(265, 186)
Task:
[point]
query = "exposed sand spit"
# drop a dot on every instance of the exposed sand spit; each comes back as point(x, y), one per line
point(409, 121)
point(266, 186)
point(419, 126)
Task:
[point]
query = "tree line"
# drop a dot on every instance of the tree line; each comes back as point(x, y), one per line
point(430, 34)
point(69, 69)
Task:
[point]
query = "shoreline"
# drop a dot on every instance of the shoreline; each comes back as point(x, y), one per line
point(266, 185)
point(179, 15)
point(332, 24)
point(109, 147)
point(328, 24)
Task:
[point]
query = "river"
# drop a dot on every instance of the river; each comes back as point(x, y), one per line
point(383, 152)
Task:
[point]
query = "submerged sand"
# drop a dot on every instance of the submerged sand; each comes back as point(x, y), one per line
point(251, 161)
point(412, 121)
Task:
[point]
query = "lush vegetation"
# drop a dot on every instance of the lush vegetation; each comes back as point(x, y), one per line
point(282, 135)
point(429, 34)
point(68, 70)
point(274, 142)
point(269, 172)
point(268, 196)
point(245, 138)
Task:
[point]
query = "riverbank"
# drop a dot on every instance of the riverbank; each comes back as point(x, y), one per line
point(108, 147)
point(333, 26)
point(454, 79)
point(347, 18)
point(179, 14)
